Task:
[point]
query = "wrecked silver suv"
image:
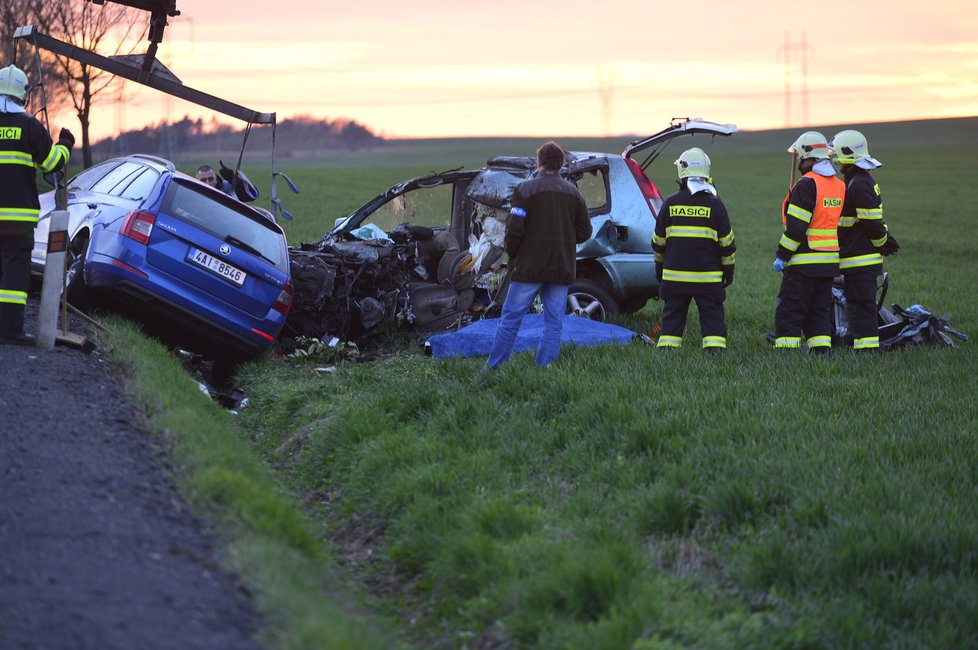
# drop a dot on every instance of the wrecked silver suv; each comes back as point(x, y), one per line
point(428, 252)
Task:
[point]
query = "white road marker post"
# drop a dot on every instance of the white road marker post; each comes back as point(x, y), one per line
point(51, 287)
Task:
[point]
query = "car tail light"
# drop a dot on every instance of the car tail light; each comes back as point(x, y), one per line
point(284, 301)
point(139, 225)
point(649, 190)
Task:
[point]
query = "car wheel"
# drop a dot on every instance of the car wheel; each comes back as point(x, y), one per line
point(75, 288)
point(588, 299)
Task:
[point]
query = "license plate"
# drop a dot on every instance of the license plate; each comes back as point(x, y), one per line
point(220, 267)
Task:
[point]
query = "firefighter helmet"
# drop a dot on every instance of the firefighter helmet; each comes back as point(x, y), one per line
point(810, 144)
point(850, 148)
point(13, 82)
point(693, 162)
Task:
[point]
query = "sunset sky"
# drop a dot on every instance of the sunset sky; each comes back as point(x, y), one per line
point(440, 68)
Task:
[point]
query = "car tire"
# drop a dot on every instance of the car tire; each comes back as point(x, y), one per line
point(588, 299)
point(75, 289)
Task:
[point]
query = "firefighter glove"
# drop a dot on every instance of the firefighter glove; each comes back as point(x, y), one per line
point(66, 138)
point(890, 246)
point(778, 264)
point(728, 273)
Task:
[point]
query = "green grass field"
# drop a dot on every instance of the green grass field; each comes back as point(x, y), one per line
point(633, 499)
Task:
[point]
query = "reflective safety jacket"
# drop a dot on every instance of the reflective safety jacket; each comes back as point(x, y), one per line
point(25, 146)
point(810, 214)
point(693, 240)
point(862, 231)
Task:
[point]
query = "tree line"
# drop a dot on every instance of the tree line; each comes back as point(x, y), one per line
point(196, 139)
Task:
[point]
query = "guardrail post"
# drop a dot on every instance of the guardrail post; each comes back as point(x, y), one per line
point(53, 283)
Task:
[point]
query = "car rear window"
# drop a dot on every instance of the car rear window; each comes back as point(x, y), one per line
point(84, 180)
point(228, 220)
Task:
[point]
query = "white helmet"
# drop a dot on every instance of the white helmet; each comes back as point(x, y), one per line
point(850, 148)
point(13, 82)
point(810, 144)
point(693, 162)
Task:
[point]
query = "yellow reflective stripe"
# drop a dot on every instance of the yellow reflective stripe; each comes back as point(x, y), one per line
point(869, 213)
point(860, 260)
point(13, 297)
point(847, 222)
point(658, 257)
point(878, 243)
point(821, 232)
point(714, 341)
point(58, 153)
point(727, 239)
point(19, 214)
point(866, 342)
point(666, 341)
point(814, 258)
point(799, 213)
point(789, 243)
point(16, 158)
point(691, 231)
point(692, 276)
point(820, 342)
point(660, 241)
point(728, 260)
point(787, 342)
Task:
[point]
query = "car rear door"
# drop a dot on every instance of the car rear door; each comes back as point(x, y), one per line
point(219, 247)
point(653, 144)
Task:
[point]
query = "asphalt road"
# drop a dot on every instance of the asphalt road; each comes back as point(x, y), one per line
point(97, 549)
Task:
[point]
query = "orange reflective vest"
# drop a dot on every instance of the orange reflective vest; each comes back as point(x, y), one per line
point(823, 229)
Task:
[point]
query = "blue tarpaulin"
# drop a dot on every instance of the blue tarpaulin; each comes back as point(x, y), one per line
point(476, 338)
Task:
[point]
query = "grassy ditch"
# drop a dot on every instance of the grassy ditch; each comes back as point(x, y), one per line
point(629, 498)
point(267, 541)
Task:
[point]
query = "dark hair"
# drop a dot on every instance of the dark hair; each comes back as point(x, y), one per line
point(205, 168)
point(550, 156)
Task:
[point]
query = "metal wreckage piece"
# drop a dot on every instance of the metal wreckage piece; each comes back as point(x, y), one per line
point(345, 286)
point(898, 327)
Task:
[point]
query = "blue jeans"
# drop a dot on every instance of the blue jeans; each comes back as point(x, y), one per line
point(518, 300)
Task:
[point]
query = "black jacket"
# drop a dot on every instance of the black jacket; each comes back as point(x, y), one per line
point(548, 219)
point(25, 147)
point(693, 241)
point(862, 231)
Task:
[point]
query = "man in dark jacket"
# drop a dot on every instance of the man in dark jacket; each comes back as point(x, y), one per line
point(26, 146)
point(694, 248)
point(547, 220)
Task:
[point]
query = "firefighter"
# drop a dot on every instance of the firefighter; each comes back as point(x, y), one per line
point(693, 246)
point(808, 253)
point(25, 146)
point(863, 237)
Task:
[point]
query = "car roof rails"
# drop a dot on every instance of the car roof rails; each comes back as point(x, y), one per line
point(163, 162)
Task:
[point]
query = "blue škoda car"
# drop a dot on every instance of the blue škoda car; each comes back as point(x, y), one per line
point(199, 269)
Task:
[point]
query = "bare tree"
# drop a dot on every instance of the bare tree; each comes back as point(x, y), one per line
point(39, 66)
point(111, 29)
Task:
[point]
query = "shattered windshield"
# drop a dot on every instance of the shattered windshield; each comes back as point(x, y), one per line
point(425, 206)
